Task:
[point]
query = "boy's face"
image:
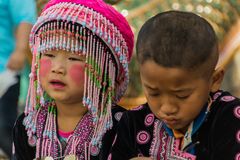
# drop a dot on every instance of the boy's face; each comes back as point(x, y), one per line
point(62, 76)
point(174, 95)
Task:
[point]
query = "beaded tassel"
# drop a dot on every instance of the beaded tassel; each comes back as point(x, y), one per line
point(30, 101)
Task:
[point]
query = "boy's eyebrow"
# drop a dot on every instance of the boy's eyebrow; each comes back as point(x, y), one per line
point(187, 89)
point(183, 90)
point(152, 88)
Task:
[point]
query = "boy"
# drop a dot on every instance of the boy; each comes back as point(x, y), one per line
point(186, 115)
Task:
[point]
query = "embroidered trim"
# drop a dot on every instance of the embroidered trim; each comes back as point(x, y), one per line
point(227, 98)
point(76, 143)
point(149, 119)
point(237, 157)
point(238, 136)
point(216, 95)
point(237, 112)
point(137, 108)
point(143, 137)
point(165, 147)
point(118, 116)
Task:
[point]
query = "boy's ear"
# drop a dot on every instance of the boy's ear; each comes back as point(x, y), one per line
point(217, 78)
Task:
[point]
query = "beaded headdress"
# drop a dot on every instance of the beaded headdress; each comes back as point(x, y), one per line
point(85, 27)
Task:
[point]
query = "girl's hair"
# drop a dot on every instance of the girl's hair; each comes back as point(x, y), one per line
point(177, 39)
point(86, 27)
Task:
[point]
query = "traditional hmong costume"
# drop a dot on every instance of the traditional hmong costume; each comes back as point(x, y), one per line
point(97, 31)
point(214, 134)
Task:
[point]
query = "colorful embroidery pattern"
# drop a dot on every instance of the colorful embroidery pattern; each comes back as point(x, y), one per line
point(165, 147)
point(32, 141)
point(143, 137)
point(237, 112)
point(95, 151)
point(216, 95)
point(118, 116)
point(137, 108)
point(81, 136)
point(227, 98)
point(237, 156)
point(238, 136)
point(149, 119)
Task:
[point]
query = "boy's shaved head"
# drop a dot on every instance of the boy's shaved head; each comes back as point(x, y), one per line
point(178, 39)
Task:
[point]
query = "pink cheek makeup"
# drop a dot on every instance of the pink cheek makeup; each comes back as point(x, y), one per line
point(45, 66)
point(76, 73)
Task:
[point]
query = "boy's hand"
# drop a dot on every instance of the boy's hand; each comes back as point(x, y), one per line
point(141, 158)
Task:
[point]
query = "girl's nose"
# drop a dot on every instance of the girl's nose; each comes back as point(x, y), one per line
point(58, 66)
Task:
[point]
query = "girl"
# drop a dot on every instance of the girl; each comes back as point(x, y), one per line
point(81, 51)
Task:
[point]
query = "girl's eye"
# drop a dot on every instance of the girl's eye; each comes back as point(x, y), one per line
point(48, 55)
point(76, 59)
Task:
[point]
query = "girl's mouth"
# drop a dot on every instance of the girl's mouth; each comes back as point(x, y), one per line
point(57, 84)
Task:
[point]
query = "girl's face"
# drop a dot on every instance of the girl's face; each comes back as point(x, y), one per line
point(62, 76)
point(174, 95)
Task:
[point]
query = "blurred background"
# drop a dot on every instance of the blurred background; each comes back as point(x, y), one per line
point(224, 15)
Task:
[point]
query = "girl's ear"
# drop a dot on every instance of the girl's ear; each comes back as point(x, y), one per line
point(217, 78)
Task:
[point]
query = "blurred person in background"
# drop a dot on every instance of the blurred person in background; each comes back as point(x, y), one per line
point(16, 22)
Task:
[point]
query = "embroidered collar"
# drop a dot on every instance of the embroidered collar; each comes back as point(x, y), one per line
point(46, 135)
point(196, 123)
point(192, 129)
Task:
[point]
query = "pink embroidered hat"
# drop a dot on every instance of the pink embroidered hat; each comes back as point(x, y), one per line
point(96, 30)
point(109, 14)
point(100, 18)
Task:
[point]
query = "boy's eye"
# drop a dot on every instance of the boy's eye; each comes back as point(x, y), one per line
point(153, 94)
point(182, 96)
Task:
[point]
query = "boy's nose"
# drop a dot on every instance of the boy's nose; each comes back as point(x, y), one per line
point(168, 109)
